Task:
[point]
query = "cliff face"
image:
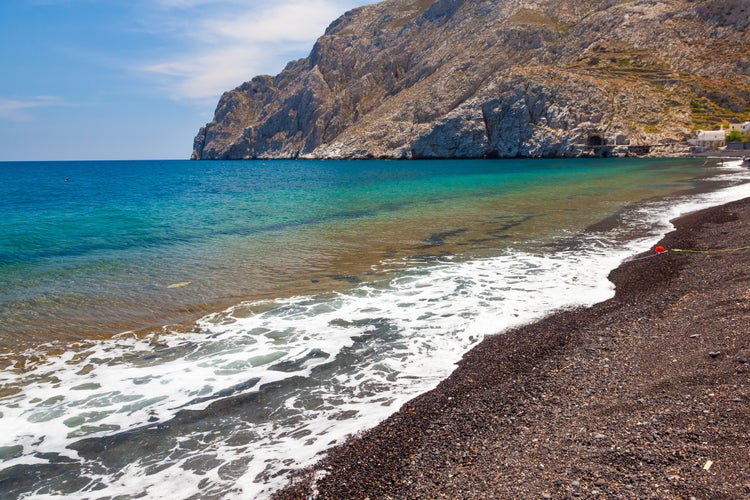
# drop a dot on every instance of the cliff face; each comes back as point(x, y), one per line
point(496, 78)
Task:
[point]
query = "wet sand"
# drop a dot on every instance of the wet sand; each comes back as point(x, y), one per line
point(646, 395)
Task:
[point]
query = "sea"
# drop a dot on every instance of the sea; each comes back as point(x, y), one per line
point(178, 329)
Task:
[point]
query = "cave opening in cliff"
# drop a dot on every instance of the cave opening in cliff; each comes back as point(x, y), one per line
point(595, 140)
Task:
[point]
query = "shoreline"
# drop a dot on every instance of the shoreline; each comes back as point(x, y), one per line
point(724, 153)
point(645, 395)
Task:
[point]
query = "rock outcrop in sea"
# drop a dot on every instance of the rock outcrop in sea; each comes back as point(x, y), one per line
point(497, 78)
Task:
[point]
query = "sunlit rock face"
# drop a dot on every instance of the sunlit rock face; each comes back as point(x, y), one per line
point(503, 78)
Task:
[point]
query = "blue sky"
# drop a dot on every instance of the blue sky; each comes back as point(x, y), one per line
point(136, 79)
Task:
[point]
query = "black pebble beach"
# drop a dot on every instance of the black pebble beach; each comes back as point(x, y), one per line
point(646, 395)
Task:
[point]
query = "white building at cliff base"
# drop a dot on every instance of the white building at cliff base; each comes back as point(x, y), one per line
point(709, 139)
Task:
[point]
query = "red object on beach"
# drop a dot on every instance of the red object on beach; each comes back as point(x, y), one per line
point(660, 249)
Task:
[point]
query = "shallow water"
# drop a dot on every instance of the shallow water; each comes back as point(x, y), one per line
point(272, 308)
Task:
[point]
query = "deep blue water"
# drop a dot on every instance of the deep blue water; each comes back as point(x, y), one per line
point(86, 244)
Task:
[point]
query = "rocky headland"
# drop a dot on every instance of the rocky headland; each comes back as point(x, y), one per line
point(497, 78)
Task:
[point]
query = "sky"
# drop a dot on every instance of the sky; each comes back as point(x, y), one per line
point(136, 79)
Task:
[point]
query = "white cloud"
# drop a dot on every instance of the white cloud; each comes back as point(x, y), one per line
point(17, 110)
point(208, 75)
point(227, 42)
point(293, 21)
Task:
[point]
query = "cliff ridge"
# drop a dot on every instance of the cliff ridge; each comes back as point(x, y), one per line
point(502, 78)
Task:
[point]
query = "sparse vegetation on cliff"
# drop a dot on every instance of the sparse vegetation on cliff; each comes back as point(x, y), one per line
point(452, 78)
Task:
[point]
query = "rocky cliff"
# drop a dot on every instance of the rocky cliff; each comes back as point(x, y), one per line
point(496, 78)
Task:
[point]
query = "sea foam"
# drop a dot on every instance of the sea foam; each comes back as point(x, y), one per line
point(262, 388)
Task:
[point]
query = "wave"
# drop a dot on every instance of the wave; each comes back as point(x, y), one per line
point(229, 407)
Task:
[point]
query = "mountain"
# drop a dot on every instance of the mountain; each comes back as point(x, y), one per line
point(502, 78)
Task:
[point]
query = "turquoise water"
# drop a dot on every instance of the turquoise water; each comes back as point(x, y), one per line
point(177, 329)
point(96, 254)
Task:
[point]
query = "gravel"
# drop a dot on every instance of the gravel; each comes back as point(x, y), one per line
point(621, 400)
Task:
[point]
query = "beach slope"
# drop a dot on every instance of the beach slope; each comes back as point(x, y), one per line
point(646, 395)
